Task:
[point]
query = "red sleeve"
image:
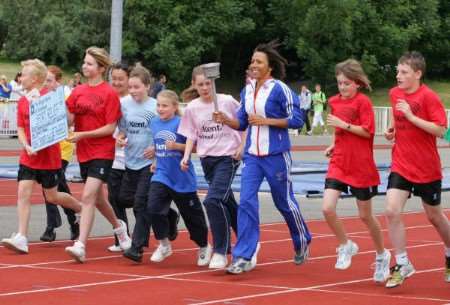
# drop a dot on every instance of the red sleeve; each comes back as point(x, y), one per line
point(366, 115)
point(20, 112)
point(435, 109)
point(113, 112)
point(71, 100)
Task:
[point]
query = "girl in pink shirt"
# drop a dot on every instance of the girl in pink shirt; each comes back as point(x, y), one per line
point(219, 148)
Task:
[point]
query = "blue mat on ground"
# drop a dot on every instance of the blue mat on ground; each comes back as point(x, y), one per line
point(308, 177)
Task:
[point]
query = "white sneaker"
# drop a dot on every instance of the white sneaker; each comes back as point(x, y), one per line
point(161, 253)
point(345, 253)
point(122, 235)
point(17, 242)
point(77, 251)
point(115, 248)
point(254, 259)
point(382, 271)
point(218, 261)
point(204, 256)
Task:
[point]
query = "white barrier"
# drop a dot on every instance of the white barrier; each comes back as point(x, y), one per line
point(8, 118)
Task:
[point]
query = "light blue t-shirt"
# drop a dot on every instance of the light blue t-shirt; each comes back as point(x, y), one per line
point(135, 123)
point(168, 170)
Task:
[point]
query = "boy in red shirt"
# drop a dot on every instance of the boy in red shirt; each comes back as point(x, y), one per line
point(418, 118)
point(43, 166)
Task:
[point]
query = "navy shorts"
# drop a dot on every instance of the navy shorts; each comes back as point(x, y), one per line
point(48, 178)
point(97, 168)
point(362, 194)
point(429, 192)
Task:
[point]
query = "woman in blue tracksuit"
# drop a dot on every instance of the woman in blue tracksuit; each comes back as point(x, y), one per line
point(268, 109)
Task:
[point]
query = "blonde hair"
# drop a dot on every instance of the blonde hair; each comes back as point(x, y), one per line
point(173, 97)
point(353, 70)
point(101, 56)
point(38, 68)
point(142, 73)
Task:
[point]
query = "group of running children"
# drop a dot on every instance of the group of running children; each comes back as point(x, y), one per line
point(142, 148)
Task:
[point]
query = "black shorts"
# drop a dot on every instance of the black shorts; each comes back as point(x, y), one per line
point(362, 194)
point(48, 178)
point(97, 168)
point(429, 192)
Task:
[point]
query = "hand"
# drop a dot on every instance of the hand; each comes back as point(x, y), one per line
point(75, 136)
point(219, 117)
point(404, 107)
point(122, 141)
point(238, 154)
point(390, 134)
point(256, 120)
point(329, 151)
point(149, 152)
point(29, 150)
point(184, 164)
point(171, 145)
point(153, 168)
point(334, 121)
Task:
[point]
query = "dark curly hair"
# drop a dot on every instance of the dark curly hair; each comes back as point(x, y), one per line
point(276, 62)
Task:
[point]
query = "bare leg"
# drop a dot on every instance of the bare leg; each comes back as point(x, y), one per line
point(63, 199)
point(24, 191)
point(395, 202)
point(330, 199)
point(89, 198)
point(106, 209)
point(372, 223)
point(438, 219)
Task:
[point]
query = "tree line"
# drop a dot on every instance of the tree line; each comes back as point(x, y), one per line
point(172, 36)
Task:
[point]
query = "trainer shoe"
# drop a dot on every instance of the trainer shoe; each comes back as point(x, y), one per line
point(174, 219)
point(49, 235)
point(381, 273)
point(301, 257)
point(399, 273)
point(447, 269)
point(77, 251)
point(161, 253)
point(218, 261)
point(115, 248)
point(134, 254)
point(345, 253)
point(254, 259)
point(17, 242)
point(239, 266)
point(204, 256)
point(122, 235)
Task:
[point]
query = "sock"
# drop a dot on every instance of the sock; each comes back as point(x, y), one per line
point(447, 252)
point(380, 256)
point(402, 258)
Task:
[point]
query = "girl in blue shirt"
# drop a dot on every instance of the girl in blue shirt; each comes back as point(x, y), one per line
point(170, 183)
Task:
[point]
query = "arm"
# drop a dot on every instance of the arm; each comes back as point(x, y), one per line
point(172, 145)
point(222, 118)
point(429, 127)
point(23, 140)
point(329, 150)
point(334, 121)
point(238, 154)
point(188, 147)
point(103, 131)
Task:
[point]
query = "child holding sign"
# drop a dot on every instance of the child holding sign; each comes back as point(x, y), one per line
point(43, 166)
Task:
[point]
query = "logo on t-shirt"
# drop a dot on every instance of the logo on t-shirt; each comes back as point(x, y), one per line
point(210, 130)
point(160, 143)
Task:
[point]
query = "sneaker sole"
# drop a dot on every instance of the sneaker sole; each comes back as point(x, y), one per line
point(132, 258)
point(354, 252)
point(406, 276)
point(76, 257)
point(14, 248)
point(165, 256)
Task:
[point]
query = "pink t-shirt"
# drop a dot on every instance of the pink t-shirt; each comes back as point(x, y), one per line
point(213, 139)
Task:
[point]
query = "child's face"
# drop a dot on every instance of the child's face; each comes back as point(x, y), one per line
point(203, 87)
point(407, 78)
point(28, 78)
point(318, 88)
point(50, 81)
point(347, 87)
point(90, 67)
point(120, 81)
point(166, 108)
point(138, 90)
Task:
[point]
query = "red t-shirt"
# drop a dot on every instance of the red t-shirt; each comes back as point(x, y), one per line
point(414, 154)
point(94, 107)
point(352, 159)
point(47, 158)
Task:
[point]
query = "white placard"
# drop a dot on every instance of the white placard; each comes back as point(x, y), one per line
point(48, 119)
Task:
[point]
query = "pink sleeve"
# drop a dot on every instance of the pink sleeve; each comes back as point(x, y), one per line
point(234, 107)
point(367, 116)
point(435, 109)
point(187, 126)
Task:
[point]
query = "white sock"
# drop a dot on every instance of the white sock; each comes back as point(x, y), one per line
point(381, 255)
point(402, 258)
point(447, 252)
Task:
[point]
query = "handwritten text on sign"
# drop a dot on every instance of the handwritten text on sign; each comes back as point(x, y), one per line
point(48, 120)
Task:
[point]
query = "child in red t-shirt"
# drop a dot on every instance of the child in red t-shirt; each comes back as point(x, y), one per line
point(94, 108)
point(43, 166)
point(418, 118)
point(352, 165)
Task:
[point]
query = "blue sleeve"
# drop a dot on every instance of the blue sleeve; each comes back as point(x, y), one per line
point(181, 139)
point(242, 115)
point(291, 104)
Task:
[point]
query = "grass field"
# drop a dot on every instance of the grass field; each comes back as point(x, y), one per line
point(379, 96)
